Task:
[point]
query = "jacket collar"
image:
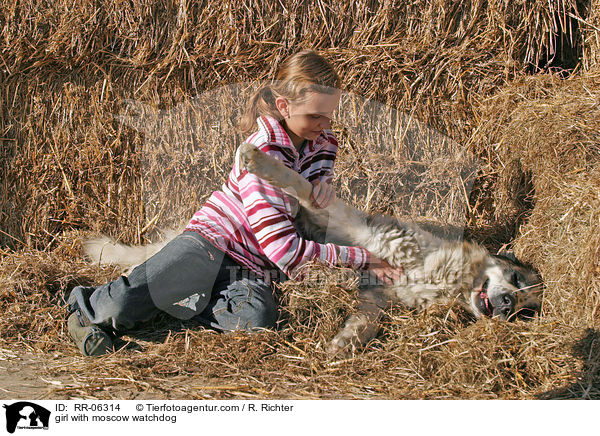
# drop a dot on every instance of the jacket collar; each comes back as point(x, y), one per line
point(275, 133)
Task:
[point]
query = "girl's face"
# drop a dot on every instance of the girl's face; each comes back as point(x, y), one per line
point(306, 121)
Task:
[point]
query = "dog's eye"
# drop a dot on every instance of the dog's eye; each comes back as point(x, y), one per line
point(528, 312)
point(516, 279)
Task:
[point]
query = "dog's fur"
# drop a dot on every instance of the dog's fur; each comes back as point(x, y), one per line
point(104, 251)
point(434, 269)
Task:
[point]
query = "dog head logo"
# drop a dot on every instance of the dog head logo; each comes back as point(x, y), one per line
point(26, 415)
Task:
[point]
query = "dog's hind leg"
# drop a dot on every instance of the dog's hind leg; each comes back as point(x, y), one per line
point(275, 172)
point(362, 326)
point(349, 224)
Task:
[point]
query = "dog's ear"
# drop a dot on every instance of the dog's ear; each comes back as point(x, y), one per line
point(510, 256)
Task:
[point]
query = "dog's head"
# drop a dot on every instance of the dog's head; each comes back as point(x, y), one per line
point(507, 289)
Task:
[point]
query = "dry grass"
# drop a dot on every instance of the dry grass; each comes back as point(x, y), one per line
point(122, 118)
point(591, 36)
point(437, 354)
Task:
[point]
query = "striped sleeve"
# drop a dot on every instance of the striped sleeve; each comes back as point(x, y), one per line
point(267, 209)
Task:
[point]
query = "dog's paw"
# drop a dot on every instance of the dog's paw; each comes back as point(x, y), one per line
point(344, 344)
point(338, 348)
point(250, 158)
point(246, 150)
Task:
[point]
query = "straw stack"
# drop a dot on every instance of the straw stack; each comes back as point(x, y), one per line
point(591, 35)
point(543, 132)
point(67, 72)
point(122, 119)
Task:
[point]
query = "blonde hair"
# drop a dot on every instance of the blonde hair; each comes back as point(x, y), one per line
point(300, 74)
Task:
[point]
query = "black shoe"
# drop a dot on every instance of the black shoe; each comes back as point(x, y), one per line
point(89, 338)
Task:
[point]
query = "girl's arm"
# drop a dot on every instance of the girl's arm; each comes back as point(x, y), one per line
point(268, 210)
point(381, 269)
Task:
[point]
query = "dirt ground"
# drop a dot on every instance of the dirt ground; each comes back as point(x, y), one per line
point(27, 376)
point(46, 377)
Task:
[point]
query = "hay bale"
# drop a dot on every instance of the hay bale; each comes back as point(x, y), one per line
point(67, 72)
point(591, 36)
point(550, 126)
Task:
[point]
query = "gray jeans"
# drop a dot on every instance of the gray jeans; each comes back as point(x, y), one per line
point(188, 278)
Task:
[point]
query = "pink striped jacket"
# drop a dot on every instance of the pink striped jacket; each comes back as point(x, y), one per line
point(252, 221)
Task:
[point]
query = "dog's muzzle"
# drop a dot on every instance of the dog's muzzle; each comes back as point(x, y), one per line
point(498, 305)
point(503, 306)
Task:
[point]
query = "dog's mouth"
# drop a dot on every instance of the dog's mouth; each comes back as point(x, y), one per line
point(482, 300)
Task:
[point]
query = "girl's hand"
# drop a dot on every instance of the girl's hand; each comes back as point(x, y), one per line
point(322, 194)
point(384, 271)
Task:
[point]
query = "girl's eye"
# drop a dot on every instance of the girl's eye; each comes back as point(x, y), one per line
point(315, 117)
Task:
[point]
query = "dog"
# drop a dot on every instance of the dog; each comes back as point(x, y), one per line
point(435, 269)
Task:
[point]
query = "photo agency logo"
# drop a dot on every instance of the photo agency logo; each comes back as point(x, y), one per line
point(24, 415)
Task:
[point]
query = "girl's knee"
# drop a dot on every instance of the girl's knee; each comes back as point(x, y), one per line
point(251, 305)
point(261, 316)
point(120, 307)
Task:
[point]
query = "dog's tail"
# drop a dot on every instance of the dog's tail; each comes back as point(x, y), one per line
point(104, 250)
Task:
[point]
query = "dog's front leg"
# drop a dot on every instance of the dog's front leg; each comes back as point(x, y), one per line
point(362, 326)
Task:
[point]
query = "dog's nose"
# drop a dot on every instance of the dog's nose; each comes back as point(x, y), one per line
point(504, 306)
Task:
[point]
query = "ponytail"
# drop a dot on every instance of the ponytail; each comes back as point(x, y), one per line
point(261, 103)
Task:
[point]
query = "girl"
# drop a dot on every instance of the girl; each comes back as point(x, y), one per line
point(220, 270)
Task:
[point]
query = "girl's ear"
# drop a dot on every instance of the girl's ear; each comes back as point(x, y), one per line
point(283, 106)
